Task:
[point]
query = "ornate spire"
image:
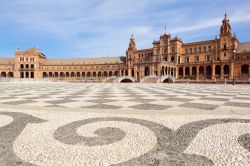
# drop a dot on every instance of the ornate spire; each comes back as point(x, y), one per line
point(226, 15)
point(17, 50)
point(132, 37)
point(132, 45)
point(226, 27)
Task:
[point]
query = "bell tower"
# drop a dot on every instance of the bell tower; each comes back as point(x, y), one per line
point(225, 29)
point(131, 56)
point(132, 45)
point(226, 39)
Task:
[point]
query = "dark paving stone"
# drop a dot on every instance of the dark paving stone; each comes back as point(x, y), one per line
point(101, 100)
point(179, 99)
point(242, 98)
point(103, 106)
point(4, 97)
point(236, 104)
point(199, 106)
point(141, 100)
point(19, 102)
point(231, 95)
point(244, 141)
point(196, 95)
point(55, 102)
point(214, 99)
point(103, 96)
point(150, 107)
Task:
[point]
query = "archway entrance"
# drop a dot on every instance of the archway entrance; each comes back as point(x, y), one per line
point(217, 71)
point(3, 75)
point(180, 72)
point(32, 75)
point(126, 80)
point(245, 69)
point(21, 75)
point(226, 71)
point(146, 71)
point(168, 80)
point(208, 72)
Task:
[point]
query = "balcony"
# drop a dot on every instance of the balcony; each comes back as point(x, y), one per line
point(26, 69)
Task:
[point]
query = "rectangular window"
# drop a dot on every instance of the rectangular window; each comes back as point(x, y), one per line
point(197, 58)
point(208, 58)
point(209, 48)
point(195, 50)
point(199, 49)
point(205, 49)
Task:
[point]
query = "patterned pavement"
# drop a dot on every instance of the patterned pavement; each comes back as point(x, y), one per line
point(124, 96)
point(124, 124)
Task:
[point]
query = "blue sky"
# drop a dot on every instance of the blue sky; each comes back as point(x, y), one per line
point(100, 28)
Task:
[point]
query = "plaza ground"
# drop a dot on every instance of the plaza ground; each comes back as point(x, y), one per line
point(46, 123)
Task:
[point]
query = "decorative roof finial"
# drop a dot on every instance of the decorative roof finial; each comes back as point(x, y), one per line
point(132, 36)
point(226, 15)
point(17, 49)
point(165, 29)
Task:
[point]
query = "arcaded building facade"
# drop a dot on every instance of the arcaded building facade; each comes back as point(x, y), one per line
point(220, 59)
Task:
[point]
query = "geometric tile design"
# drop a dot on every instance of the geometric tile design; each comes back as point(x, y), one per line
point(122, 96)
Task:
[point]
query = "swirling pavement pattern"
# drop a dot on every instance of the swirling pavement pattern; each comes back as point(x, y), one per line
point(244, 140)
point(30, 140)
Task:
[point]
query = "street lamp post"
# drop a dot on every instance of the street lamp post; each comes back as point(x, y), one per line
point(234, 51)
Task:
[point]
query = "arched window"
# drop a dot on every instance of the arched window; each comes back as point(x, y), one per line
point(226, 69)
point(45, 75)
point(180, 71)
point(99, 74)
point(94, 74)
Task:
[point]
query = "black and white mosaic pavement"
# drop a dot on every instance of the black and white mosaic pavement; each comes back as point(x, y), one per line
point(68, 137)
point(125, 96)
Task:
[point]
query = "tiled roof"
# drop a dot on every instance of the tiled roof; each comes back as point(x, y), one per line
point(7, 61)
point(82, 61)
point(244, 47)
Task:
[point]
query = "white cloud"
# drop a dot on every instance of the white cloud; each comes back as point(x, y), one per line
point(94, 27)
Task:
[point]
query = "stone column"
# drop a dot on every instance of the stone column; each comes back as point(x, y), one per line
point(222, 72)
point(213, 72)
point(120, 73)
point(231, 72)
point(197, 72)
point(129, 72)
point(159, 71)
point(135, 73)
point(183, 72)
point(176, 73)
